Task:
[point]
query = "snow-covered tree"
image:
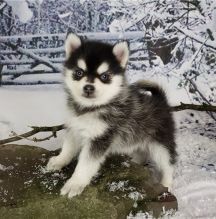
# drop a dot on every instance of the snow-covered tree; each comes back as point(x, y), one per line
point(179, 36)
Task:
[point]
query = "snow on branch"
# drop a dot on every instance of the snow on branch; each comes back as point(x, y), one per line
point(27, 72)
point(129, 35)
point(29, 61)
point(192, 35)
point(33, 56)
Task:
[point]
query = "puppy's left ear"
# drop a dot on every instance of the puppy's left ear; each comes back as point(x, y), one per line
point(121, 52)
point(72, 43)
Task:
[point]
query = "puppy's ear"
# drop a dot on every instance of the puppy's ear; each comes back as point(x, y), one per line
point(72, 43)
point(121, 52)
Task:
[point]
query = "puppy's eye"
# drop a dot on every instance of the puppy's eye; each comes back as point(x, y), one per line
point(79, 73)
point(105, 77)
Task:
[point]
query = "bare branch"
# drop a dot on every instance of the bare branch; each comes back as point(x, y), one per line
point(34, 139)
point(204, 107)
point(35, 130)
point(203, 97)
point(193, 36)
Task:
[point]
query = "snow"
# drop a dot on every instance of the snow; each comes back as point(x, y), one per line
point(21, 9)
point(28, 106)
point(64, 15)
point(136, 195)
point(90, 35)
point(123, 186)
point(4, 168)
point(194, 36)
point(2, 5)
point(195, 174)
point(119, 186)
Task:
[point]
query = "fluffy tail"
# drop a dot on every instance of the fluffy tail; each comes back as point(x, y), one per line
point(155, 89)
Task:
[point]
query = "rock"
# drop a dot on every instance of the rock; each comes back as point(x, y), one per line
point(120, 189)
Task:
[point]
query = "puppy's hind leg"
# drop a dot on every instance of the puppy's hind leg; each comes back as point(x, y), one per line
point(139, 157)
point(69, 150)
point(162, 158)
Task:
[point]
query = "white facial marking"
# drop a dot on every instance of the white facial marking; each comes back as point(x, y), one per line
point(102, 68)
point(81, 64)
point(103, 92)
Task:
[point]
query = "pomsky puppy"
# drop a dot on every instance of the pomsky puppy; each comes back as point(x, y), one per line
point(108, 116)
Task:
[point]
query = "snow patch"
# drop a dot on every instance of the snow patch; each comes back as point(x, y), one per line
point(120, 186)
point(136, 196)
point(4, 168)
point(21, 9)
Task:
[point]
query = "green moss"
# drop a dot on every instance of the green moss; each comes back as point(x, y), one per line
point(33, 193)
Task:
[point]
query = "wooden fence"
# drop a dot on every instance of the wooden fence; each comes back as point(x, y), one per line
point(42, 55)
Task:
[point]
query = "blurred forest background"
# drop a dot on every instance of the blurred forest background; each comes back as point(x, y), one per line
point(175, 39)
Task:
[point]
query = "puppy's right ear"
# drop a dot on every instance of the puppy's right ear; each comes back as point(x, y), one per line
point(72, 43)
point(121, 52)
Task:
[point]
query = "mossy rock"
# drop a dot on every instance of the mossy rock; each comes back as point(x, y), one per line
point(121, 188)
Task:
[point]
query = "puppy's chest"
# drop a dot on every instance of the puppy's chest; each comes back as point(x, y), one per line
point(88, 125)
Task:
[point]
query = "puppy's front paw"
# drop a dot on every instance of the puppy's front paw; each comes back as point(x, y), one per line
point(72, 189)
point(54, 164)
point(167, 183)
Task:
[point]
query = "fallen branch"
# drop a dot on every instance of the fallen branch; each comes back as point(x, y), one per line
point(34, 139)
point(35, 130)
point(55, 129)
point(202, 96)
point(204, 107)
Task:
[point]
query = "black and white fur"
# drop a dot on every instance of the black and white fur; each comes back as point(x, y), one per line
point(109, 116)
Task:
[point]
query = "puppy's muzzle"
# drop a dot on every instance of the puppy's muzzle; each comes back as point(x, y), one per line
point(88, 90)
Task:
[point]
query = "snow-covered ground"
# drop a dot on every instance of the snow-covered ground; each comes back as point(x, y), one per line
point(26, 106)
point(195, 174)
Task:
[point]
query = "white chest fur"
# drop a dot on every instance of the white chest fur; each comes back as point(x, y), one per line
point(88, 125)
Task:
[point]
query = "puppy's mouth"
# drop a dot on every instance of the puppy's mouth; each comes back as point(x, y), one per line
point(88, 95)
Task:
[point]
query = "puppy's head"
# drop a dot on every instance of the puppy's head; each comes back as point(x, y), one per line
point(94, 71)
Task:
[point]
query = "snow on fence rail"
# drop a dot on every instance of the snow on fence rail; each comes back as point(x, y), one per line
point(43, 55)
point(92, 36)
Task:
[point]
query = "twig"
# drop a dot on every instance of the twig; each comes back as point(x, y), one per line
point(193, 36)
point(180, 17)
point(203, 97)
point(43, 139)
point(34, 139)
point(194, 85)
point(198, 91)
point(35, 130)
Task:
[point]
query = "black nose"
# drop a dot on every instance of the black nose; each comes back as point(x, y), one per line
point(89, 89)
